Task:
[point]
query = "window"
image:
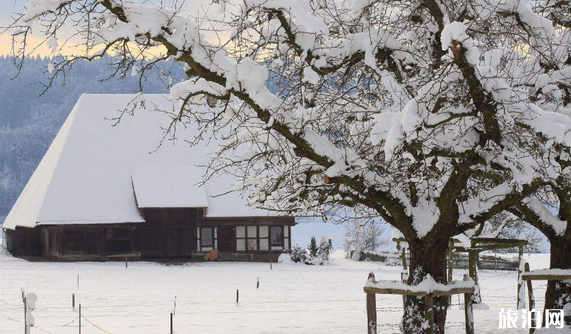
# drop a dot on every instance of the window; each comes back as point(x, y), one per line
point(206, 237)
point(252, 244)
point(276, 236)
point(241, 238)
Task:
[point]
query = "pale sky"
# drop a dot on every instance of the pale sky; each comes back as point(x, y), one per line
point(9, 7)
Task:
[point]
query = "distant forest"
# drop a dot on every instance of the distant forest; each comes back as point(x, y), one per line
point(30, 117)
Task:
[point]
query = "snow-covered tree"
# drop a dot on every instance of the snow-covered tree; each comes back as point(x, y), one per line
point(429, 114)
point(550, 90)
point(362, 236)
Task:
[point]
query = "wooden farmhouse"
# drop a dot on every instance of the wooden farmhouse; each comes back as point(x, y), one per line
point(108, 189)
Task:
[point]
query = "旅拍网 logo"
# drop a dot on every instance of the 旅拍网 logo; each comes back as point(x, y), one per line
point(531, 319)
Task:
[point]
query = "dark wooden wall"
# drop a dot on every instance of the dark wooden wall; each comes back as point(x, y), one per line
point(168, 232)
point(90, 241)
point(24, 241)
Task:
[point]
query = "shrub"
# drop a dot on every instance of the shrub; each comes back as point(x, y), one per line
point(314, 255)
point(298, 254)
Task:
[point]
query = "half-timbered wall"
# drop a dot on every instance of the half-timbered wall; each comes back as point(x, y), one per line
point(254, 234)
point(258, 238)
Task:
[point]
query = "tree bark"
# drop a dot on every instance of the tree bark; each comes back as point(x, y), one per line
point(558, 293)
point(427, 257)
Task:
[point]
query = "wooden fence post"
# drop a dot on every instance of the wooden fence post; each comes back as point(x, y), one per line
point(26, 328)
point(473, 271)
point(371, 310)
point(450, 259)
point(468, 313)
point(468, 310)
point(372, 288)
point(531, 300)
point(404, 279)
point(429, 313)
point(520, 287)
point(450, 265)
point(79, 318)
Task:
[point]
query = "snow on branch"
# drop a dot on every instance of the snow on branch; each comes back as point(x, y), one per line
point(483, 202)
point(545, 216)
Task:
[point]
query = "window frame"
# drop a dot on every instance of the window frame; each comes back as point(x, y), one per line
point(281, 242)
point(202, 244)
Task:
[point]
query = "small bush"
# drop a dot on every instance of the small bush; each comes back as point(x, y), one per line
point(298, 254)
point(314, 255)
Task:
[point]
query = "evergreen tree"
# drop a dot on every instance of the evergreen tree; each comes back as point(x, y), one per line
point(312, 247)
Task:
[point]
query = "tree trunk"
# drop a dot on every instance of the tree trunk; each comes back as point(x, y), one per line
point(427, 257)
point(558, 293)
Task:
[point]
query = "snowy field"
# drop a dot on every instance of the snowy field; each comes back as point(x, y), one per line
point(291, 298)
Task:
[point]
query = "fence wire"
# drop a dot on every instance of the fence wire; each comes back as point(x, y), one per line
point(93, 313)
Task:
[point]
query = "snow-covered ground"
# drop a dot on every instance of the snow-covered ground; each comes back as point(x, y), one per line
point(291, 298)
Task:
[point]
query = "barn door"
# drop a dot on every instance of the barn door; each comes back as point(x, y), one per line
point(227, 239)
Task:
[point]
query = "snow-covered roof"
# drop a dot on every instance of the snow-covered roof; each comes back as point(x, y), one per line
point(95, 172)
point(180, 182)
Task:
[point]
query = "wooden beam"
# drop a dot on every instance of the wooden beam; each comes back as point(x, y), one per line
point(394, 291)
point(407, 292)
point(530, 276)
point(491, 247)
point(453, 291)
point(506, 242)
